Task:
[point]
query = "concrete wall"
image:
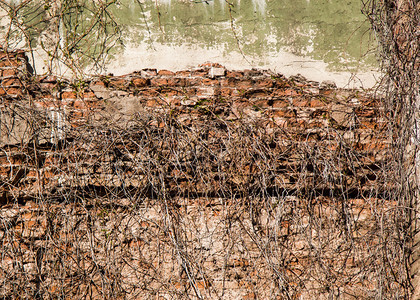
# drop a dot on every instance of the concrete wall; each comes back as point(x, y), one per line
point(323, 40)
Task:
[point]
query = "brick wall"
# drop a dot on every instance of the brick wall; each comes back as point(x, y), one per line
point(13, 68)
point(204, 183)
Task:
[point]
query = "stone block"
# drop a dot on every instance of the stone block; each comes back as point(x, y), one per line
point(217, 72)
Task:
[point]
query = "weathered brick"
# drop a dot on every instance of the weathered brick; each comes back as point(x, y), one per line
point(244, 84)
point(165, 73)
point(13, 91)
point(9, 73)
point(208, 81)
point(183, 73)
point(234, 74)
point(265, 83)
point(280, 103)
point(229, 82)
point(79, 104)
point(316, 103)
point(162, 82)
point(152, 103)
point(87, 95)
point(119, 83)
point(140, 82)
point(284, 113)
point(300, 102)
point(200, 72)
point(225, 92)
point(192, 81)
point(68, 95)
point(10, 63)
point(368, 113)
point(285, 92)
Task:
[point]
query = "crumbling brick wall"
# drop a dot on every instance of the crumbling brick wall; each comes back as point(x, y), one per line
point(205, 183)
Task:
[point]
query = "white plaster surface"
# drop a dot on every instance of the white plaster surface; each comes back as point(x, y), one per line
point(177, 58)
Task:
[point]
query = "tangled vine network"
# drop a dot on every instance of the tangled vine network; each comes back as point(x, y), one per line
point(396, 25)
point(204, 200)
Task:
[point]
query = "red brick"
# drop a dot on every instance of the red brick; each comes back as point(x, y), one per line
point(210, 64)
point(140, 82)
point(98, 83)
point(249, 296)
point(89, 95)
point(230, 82)
point(281, 83)
point(68, 95)
point(234, 74)
point(165, 73)
point(265, 83)
point(263, 103)
point(284, 113)
point(152, 103)
point(245, 84)
point(202, 284)
point(326, 92)
point(46, 103)
point(183, 73)
point(225, 92)
point(208, 81)
point(366, 113)
point(171, 92)
point(192, 81)
point(200, 73)
point(317, 103)
point(118, 83)
point(300, 102)
point(316, 124)
point(150, 92)
point(78, 114)
point(252, 72)
point(173, 101)
point(285, 92)
point(368, 124)
point(179, 81)
point(280, 103)
point(10, 63)
point(11, 82)
point(14, 92)
point(79, 104)
point(9, 73)
point(162, 82)
point(48, 85)
point(49, 79)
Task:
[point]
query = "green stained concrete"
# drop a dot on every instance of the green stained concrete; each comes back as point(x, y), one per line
point(332, 31)
point(321, 39)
